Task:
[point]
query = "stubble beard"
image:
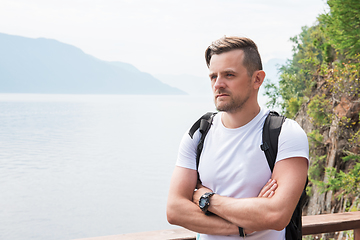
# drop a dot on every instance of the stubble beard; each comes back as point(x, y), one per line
point(233, 105)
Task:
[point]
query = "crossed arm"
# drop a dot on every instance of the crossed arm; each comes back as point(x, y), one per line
point(253, 214)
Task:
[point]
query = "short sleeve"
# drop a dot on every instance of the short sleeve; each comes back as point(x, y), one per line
point(187, 151)
point(293, 141)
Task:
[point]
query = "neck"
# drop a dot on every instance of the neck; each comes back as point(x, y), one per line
point(241, 117)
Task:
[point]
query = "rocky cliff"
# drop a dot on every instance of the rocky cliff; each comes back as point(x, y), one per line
point(331, 119)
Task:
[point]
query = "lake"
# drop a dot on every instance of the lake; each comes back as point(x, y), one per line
point(76, 166)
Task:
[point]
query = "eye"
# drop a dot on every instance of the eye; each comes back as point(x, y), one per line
point(230, 75)
point(213, 77)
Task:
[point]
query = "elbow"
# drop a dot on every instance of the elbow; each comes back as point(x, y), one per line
point(171, 215)
point(278, 221)
point(170, 218)
point(280, 225)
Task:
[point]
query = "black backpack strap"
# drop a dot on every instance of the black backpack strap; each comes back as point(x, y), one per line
point(271, 132)
point(197, 124)
point(203, 124)
point(293, 230)
point(270, 136)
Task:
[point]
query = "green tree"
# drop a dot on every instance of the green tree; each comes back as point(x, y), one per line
point(324, 74)
point(342, 25)
point(299, 75)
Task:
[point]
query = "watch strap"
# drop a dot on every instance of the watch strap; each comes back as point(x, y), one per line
point(242, 232)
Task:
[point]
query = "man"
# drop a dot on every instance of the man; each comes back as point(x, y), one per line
point(233, 170)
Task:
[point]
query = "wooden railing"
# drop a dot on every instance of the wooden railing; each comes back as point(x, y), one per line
point(336, 222)
point(317, 224)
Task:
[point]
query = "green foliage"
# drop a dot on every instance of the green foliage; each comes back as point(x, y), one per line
point(272, 92)
point(349, 234)
point(294, 106)
point(341, 24)
point(308, 190)
point(317, 52)
point(315, 138)
point(319, 110)
point(324, 71)
point(355, 138)
point(345, 78)
point(344, 183)
point(344, 122)
point(351, 156)
point(298, 76)
point(316, 170)
point(355, 206)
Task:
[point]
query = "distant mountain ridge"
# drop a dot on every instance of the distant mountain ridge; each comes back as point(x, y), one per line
point(48, 66)
point(193, 85)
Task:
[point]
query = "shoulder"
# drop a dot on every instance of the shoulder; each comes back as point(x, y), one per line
point(293, 141)
point(187, 151)
point(188, 146)
point(290, 126)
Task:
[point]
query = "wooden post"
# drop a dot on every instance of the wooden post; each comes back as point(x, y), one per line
point(357, 234)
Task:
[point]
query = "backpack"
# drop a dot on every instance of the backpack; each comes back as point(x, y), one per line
point(270, 136)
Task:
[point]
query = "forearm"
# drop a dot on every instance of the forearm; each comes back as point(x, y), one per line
point(250, 213)
point(266, 192)
point(266, 213)
point(188, 215)
point(183, 212)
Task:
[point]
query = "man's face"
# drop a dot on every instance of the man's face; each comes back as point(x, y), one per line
point(230, 81)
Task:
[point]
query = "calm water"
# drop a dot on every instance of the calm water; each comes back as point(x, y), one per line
point(76, 166)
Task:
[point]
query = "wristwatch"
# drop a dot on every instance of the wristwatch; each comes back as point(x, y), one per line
point(204, 201)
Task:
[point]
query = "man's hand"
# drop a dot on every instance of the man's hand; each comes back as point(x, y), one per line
point(263, 213)
point(182, 211)
point(269, 189)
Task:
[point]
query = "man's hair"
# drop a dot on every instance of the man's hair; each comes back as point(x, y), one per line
point(252, 60)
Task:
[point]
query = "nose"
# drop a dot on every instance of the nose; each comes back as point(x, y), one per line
point(218, 83)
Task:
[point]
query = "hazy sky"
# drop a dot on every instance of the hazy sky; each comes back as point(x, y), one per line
point(160, 36)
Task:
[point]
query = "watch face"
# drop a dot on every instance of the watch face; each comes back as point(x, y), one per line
point(202, 202)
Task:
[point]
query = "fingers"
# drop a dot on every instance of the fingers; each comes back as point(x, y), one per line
point(270, 194)
point(269, 189)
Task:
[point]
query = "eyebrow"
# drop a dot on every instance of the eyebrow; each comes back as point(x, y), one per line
point(229, 71)
point(223, 72)
point(212, 74)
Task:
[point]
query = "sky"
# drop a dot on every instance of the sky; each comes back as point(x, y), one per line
point(159, 36)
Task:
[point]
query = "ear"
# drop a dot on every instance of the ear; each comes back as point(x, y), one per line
point(258, 78)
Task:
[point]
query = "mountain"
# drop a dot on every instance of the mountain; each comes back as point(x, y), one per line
point(47, 66)
point(191, 84)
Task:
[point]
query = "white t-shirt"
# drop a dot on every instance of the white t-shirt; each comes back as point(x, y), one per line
point(232, 163)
